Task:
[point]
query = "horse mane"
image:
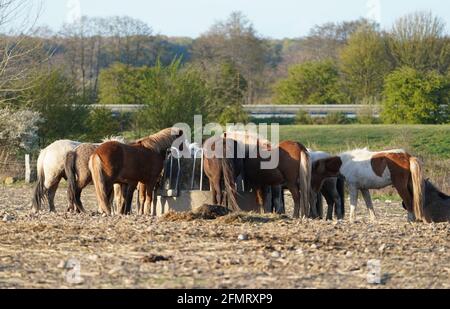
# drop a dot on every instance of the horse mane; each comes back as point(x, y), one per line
point(160, 141)
point(249, 138)
point(118, 139)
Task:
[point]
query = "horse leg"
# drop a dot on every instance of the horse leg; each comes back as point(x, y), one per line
point(78, 204)
point(149, 188)
point(217, 193)
point(51, 193)
point(142, 198)
point(130, 189)
point(296, 196)
point(369, 203)
point(407, 197)
point(260, 199)
point(337, 204)
point(353, 202)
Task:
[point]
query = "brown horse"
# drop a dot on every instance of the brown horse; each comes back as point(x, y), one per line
point(218, 167)
point(143, 162)
point(294, 169)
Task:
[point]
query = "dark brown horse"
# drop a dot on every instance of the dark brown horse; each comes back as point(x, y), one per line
point(324, 180)
point(143, 162)
point(220, 169)
point(436, 204)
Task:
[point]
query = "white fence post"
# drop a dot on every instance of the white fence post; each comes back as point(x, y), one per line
point(27, 169)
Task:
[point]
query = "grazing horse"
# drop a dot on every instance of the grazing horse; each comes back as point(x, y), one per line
point(365, 170)
point(294, 169)
point(78, 173)
point(50, 171)
point(143, 162)
point(437, 204)
point(220, 165)
point(332, 189)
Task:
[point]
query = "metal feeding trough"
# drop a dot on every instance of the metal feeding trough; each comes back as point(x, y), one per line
point(184, 187)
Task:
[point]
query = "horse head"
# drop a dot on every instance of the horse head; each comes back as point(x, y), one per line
point(323, 169)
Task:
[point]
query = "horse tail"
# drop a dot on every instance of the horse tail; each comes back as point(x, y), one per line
point(71, 173)
point(228, 170)
point(40, 190)
point(340, 186)
point(98, 178)
point(418, 182)
point(305, 182)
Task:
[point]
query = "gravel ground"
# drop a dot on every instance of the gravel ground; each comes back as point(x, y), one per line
point(237, 251)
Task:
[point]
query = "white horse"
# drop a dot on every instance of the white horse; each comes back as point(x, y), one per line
point(50, 171)
point(365, 170)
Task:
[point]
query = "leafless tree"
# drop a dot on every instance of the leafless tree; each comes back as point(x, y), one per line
point(20, 51)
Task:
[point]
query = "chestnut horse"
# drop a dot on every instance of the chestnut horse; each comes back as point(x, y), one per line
point(294, 169)
point(143, 162)
point(365, 170)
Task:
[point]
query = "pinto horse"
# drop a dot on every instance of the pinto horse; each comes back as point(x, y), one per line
point(50, 171)
point(365, 170)
point(143, 162)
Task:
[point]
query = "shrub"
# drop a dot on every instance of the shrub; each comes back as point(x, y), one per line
point(311, 83)
point(414, 97)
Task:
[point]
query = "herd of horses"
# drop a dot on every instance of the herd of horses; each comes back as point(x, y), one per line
point(117, 169)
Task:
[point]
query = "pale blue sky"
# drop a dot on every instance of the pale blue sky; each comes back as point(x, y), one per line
point(272, 18)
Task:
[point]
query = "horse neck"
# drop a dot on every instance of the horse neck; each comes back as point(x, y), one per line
point(160, 146)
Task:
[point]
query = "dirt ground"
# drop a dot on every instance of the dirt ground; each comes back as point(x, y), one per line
point(243, 251)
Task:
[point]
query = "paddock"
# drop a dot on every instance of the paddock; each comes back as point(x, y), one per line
point(151, 252)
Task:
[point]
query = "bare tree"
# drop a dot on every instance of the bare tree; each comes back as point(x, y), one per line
point(234, 40)
point(420, 41)
point(20, 52)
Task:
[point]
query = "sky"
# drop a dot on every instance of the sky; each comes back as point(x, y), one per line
point(271, 18)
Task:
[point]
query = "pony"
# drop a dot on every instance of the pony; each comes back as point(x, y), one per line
point(78, 173)
point(332, 189)
point(294, 169)
point(143, 162)
point(437, 204)
point(50, 171)
point(365, 170)
point(219, 166)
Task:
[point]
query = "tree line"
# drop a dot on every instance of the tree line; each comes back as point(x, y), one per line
point(120, 60)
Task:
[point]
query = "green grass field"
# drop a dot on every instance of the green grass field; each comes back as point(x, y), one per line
point(426, 141)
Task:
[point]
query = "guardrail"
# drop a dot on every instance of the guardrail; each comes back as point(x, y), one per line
point(269, 111)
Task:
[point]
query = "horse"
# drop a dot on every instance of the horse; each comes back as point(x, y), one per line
point(436, 205)
point(78, 173)
point(143, 162)
point(332, 189)
point(294, 169)
point(219, 166)
point(365, 170)
point(50, 171)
